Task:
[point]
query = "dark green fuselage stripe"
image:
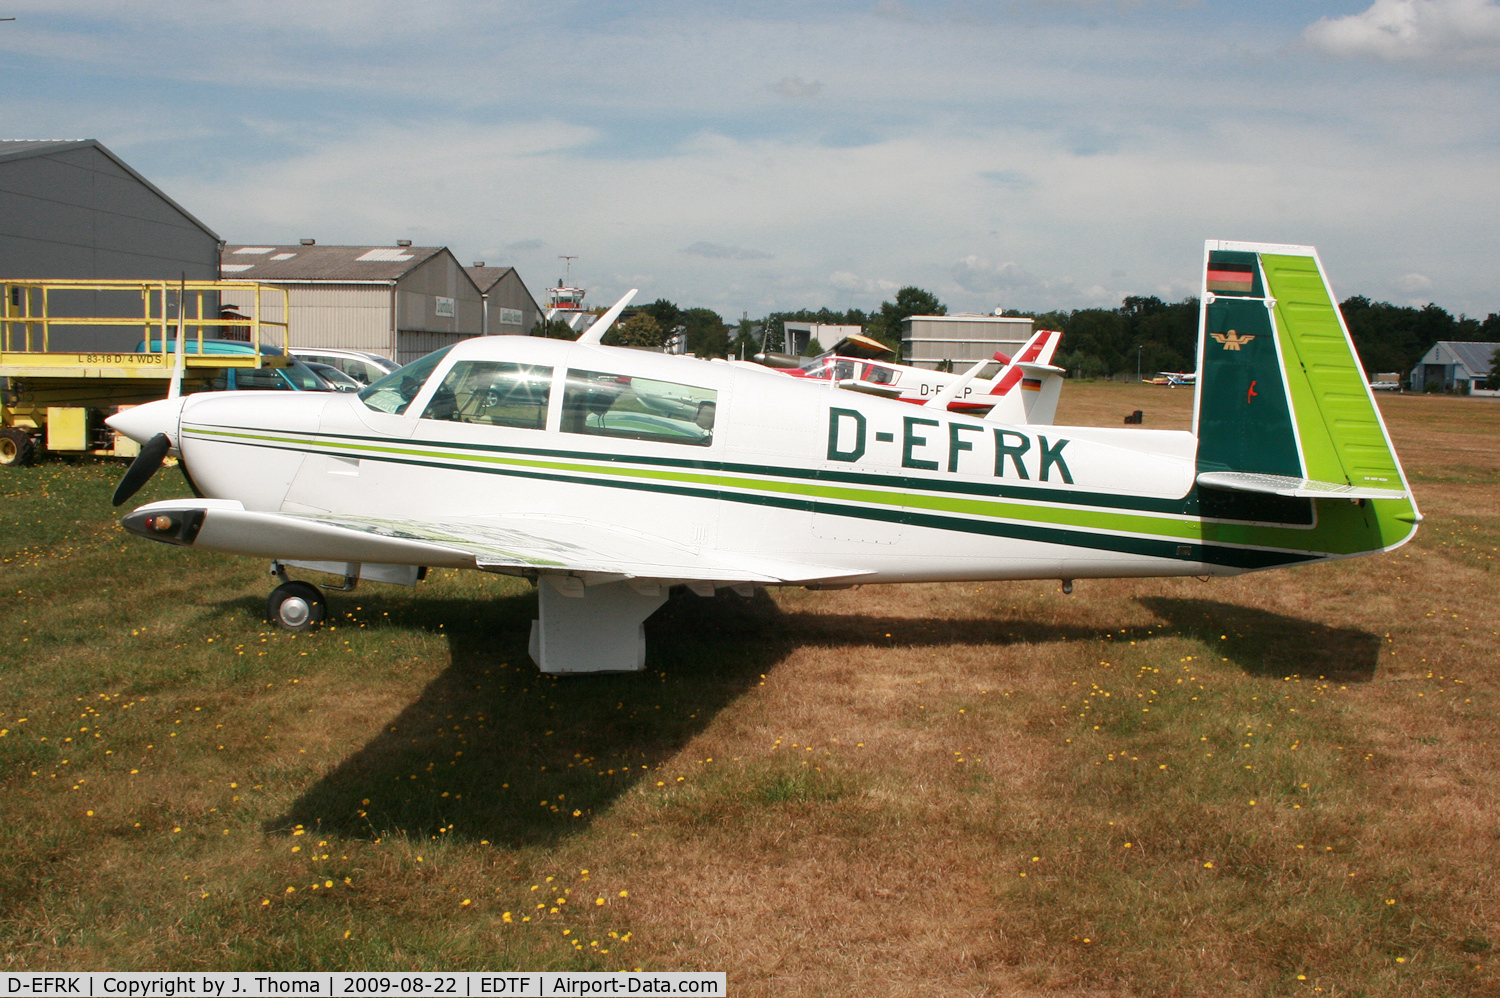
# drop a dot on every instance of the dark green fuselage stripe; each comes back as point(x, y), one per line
point(1211, 554)
point(1189, 505)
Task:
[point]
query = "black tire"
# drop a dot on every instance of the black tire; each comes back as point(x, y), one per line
point(296, 606)
point(16, 447)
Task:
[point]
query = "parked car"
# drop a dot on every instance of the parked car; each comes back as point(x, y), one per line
point(1385, 386)
point(337, 380)
point(365, 368)
point(295, 376)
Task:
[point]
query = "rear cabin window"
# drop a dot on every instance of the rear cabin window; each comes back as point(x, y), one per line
point(493, 394)
point(617, 405)
point(394, 392)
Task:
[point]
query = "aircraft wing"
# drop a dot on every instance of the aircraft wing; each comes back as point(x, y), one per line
point(493, 543)
point(869, 388)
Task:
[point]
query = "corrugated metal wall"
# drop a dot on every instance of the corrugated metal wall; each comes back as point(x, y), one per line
point(414, 346)
point(928, 341)
point(510, 294)
point(77, 213)
point(351, 316)
point(418, 292)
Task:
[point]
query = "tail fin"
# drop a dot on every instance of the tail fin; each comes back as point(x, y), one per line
point(1282, 404)
point(1028, 385)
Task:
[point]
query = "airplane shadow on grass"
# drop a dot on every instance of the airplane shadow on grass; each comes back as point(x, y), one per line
point(493, 750)
point(1271, 644)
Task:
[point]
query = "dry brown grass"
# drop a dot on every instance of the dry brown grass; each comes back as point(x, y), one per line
point(821, 793)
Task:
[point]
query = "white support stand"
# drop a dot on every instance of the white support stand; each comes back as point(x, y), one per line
point(591, 628)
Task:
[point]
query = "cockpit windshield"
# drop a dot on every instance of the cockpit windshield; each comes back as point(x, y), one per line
point(394, 392)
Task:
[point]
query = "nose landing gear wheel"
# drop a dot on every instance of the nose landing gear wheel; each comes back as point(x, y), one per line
point(296, 606)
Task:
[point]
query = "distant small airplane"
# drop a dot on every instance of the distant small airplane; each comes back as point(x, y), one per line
point(1025, 387)
point(609, 476)
point(1173, 379)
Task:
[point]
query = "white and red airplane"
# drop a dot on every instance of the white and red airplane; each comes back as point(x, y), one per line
point(1025, 386)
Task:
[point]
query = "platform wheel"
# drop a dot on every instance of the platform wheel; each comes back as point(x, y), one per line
point(16, 447)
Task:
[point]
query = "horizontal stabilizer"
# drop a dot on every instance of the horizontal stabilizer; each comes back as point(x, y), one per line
point(1300, 488)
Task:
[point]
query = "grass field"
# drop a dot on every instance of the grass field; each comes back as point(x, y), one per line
point(1280, 784)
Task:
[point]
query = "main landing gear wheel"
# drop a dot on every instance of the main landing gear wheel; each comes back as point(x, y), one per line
point(16, 447)
point(296, 606)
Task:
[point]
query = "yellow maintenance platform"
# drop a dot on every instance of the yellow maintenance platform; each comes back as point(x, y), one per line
point(57, 399)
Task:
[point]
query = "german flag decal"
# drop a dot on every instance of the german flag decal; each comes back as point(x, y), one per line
point(1233, 278)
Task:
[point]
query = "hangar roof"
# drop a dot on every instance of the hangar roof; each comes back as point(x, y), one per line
point(337, 264)
point(1476, 356)
point(487, 277)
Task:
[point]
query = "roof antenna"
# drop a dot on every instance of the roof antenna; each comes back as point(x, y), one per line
point(567, 281)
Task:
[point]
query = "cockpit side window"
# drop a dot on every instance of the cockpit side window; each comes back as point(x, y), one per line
point(617, 405)
point(492, 393)
point(394, 392)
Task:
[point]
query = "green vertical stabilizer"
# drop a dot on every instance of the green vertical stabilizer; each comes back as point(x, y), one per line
point(1284, 407)
point(1343, 439)
point(1244, 417)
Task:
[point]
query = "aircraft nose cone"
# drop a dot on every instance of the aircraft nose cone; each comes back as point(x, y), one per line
point(145, 421)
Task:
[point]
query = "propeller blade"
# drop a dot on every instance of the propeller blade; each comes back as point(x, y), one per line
point(153, 453)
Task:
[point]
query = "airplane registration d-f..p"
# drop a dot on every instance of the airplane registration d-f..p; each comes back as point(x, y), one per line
point(610, 475)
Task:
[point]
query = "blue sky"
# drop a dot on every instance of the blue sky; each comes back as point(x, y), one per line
point(755, 156)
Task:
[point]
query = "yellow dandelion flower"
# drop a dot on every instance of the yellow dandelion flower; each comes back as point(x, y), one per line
point(598, 901)
point(624, 894)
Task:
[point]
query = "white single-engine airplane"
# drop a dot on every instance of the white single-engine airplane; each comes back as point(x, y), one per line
point(609, 475)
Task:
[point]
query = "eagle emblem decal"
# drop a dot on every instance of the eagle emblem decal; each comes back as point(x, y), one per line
point(1232, 340)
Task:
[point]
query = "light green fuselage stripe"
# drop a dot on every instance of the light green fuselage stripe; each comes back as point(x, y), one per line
point(1340, 529)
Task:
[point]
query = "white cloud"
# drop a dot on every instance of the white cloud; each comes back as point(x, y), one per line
point(977, 274)
point(796, 88)
point(1414, 283)
point(1029, 159)
point(848, 281)
point(1436, 32)
point(715, 251)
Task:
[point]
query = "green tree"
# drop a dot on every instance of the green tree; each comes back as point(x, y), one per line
point(555, 329)
point(640, 330)
point(707, 336)
point(813, 347)
point(667, 315)
point(1394, 337)
point(910, 301)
